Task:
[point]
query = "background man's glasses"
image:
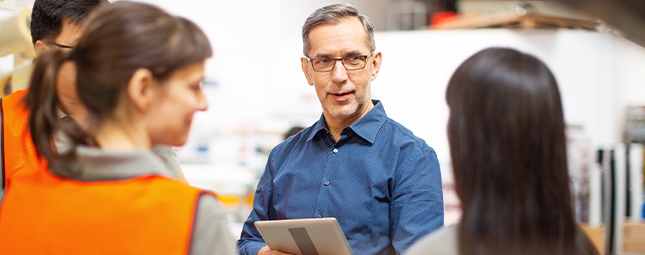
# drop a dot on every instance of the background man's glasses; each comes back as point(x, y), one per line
point(353, 62)
point(61, 46)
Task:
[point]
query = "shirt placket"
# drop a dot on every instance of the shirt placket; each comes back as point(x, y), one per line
point(326, 188)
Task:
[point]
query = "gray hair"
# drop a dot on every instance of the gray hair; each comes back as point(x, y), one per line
point(331, 15)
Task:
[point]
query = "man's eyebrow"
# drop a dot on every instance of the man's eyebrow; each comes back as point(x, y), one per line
point(322, 55)
point(351, 53)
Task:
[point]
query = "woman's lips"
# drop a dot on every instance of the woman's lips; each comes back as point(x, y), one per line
point(340, 96)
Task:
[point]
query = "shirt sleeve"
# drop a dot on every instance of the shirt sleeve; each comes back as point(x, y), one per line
point(251, 241)
point(211, 232)
point(417, 199)
point(169, 158)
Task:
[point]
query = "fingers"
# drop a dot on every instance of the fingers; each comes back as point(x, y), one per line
point(268, 251)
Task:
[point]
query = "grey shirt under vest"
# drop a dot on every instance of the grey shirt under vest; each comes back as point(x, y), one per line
point(211, 234)
point(440, 242)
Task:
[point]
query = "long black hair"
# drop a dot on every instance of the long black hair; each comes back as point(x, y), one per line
point(507, 143)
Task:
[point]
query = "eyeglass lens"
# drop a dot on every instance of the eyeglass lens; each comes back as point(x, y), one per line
point(350, 63)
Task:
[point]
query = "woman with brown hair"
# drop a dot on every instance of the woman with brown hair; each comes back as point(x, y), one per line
point(507, 143)
point(139, 75)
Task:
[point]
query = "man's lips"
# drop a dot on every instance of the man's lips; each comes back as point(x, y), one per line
point(340, 96)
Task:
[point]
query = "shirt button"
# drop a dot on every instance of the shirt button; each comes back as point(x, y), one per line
point(335, 150)
point(318, 216)
point(326, 183)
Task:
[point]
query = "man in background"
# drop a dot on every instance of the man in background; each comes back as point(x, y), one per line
point(380, 181)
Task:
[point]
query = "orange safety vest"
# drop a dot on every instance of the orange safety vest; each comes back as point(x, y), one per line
point(18, 151)
point(47, 214)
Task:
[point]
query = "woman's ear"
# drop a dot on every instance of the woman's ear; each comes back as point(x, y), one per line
point(142, 89)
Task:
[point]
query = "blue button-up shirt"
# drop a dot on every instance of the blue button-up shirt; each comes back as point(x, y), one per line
point(379, 181)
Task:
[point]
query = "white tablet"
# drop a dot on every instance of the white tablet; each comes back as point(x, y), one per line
point(316, 236)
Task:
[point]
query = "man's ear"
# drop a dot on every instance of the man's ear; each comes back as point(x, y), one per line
point(142, 89)
point(376, 65)
point(40, 47)
point(305, 71)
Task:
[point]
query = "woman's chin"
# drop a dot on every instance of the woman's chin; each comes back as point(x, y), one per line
point(177, 142)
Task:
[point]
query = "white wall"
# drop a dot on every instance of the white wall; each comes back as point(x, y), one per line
point(629, 67)
point(6, 62)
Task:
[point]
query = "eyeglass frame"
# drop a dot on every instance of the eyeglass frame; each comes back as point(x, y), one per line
point(61, 46)
point(341, 60)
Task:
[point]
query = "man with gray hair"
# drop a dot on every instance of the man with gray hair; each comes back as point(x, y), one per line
point(380, 181)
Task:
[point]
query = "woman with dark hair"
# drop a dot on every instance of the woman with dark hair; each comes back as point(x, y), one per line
point(139, 75)
point(507, 143)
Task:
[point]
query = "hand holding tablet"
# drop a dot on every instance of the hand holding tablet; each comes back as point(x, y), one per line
point(305, 236)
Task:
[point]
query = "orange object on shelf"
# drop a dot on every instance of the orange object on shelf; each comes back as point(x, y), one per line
point(229, 199)
point(442, 17)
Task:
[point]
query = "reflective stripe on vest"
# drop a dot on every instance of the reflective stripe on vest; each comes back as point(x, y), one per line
point(46, 214)
point(19, 152)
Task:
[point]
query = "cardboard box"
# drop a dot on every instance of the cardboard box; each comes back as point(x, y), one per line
point(634, 248)
point(597, 236)
point(634, 237)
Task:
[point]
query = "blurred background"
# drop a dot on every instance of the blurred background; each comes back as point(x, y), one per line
point(257, 91)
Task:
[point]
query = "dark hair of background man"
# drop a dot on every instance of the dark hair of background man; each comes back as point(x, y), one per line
point(47, 16)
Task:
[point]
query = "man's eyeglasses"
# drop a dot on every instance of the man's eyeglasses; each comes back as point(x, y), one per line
point(351, 63)
point(61, 46)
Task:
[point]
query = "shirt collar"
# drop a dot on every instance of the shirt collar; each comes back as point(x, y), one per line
point(366, 127)
point(320, 125)
point(93, 164)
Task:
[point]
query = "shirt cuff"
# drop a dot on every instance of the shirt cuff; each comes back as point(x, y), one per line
point(252, 247)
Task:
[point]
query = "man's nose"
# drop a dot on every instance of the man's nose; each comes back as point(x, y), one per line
point(339, 72)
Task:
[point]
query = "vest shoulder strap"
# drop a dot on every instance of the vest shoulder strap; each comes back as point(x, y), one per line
point(2, 149)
